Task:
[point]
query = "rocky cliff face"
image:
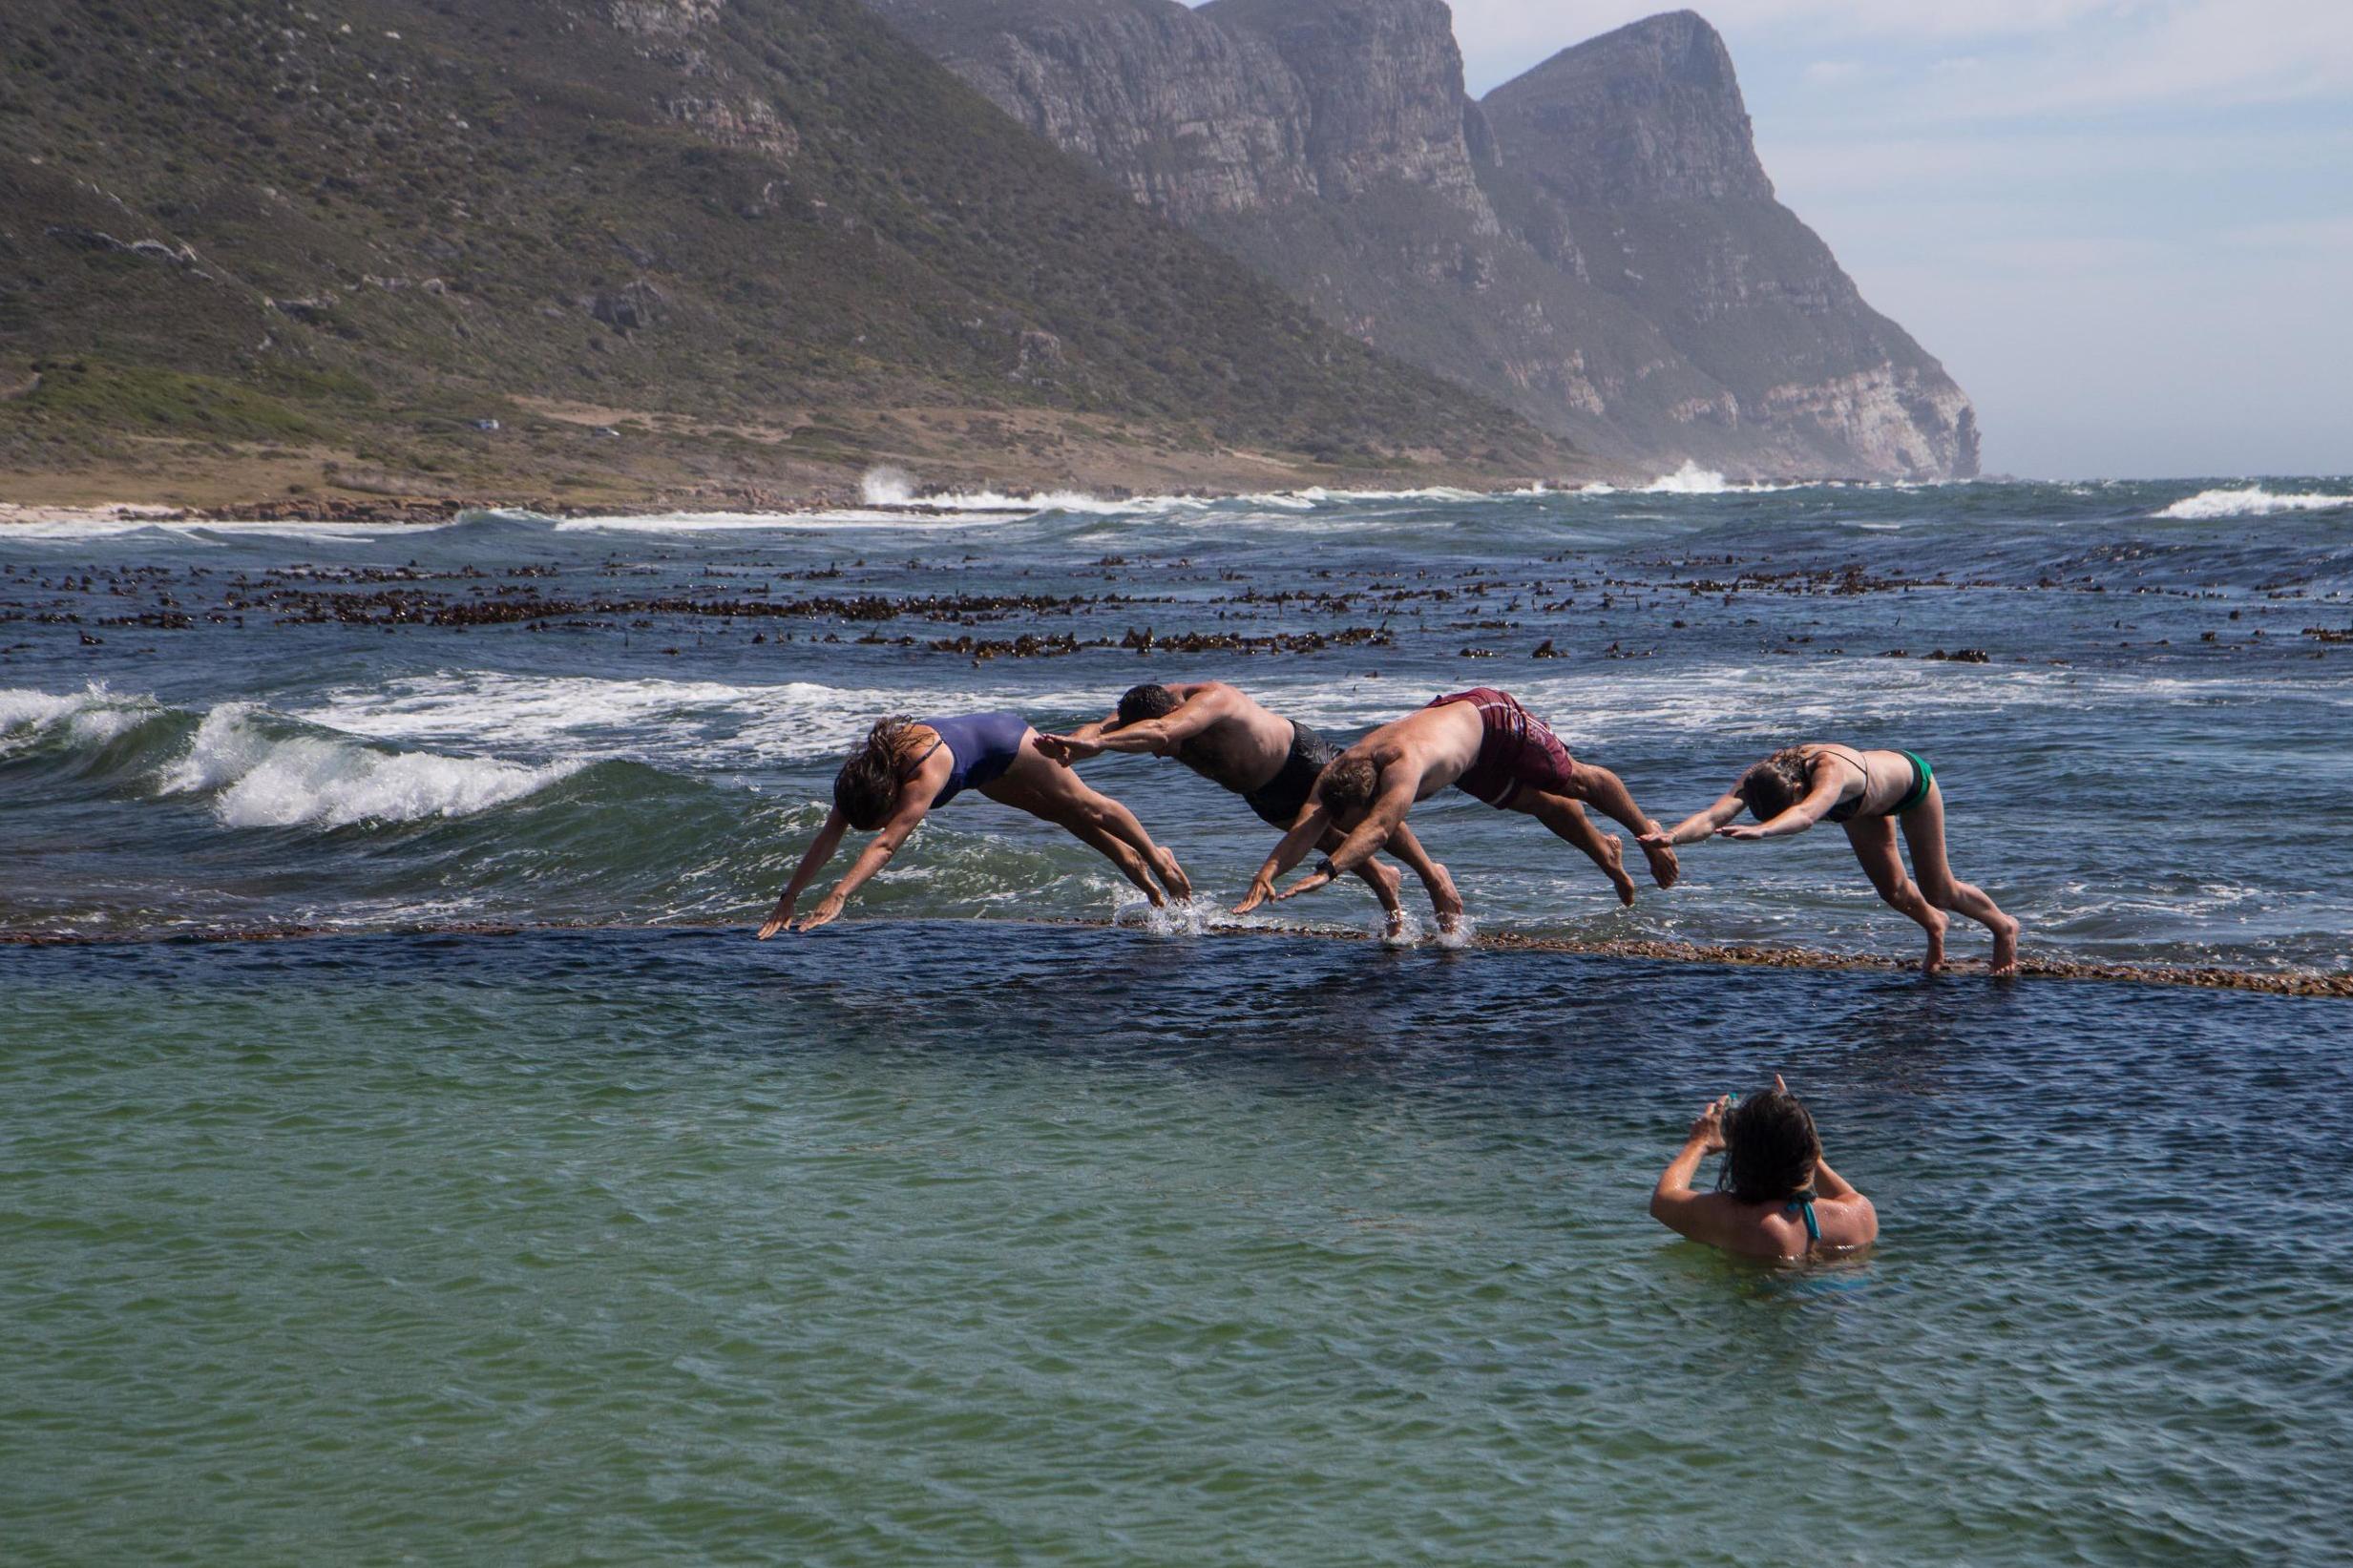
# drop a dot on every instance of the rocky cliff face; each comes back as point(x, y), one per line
point(1191, 119)
point(1596, 245)
point(1632, 152)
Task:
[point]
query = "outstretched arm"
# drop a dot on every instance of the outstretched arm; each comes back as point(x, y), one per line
point(820, 850)
point(913, 800)
point(1385, 817)
point(1080, 743)
point(1304, 834)
point(1159, 737)
point(1699, 825)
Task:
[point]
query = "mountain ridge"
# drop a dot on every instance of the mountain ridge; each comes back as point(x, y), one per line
point(1501, 242)
point(599, 247)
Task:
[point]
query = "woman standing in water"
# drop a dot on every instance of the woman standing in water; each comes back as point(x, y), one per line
point(907, 767)
point(1777, 1195)
point(1868, 793)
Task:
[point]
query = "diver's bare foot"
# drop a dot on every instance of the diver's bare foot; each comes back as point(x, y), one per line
point(2006, 948)
point(1397, 925)
point(1613, 866)
point(1172, 875)
point(1665, 868)
point(1935, 960)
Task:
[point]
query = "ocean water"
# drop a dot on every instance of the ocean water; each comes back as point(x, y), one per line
point(960, 1232)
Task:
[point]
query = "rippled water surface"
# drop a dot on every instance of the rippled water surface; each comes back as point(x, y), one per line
point(633, 721)
point(938, 1242)
point(950, 1235)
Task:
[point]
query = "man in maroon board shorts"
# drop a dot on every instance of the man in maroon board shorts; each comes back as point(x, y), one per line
point(1483, 742)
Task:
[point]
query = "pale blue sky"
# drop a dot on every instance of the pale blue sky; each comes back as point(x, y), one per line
point(2125, 225)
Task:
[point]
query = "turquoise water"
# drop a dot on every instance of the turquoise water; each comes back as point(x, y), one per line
point(959, 1233)
point(945, 1242)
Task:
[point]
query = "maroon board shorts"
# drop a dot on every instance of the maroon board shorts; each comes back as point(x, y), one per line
point(1518, 750)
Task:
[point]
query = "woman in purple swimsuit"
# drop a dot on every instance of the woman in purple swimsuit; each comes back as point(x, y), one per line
point(907, 767)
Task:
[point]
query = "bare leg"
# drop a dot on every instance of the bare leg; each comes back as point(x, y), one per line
point(1072, 816)
point(1444, 901)
point(1568, 820)
point(1607, 792)
point(1874, 839)
point(1924, 832)
point(1051, 782)
point(1381, 878)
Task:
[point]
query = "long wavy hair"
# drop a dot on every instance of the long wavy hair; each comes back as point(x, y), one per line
point(868, 785)
point(1776, 783)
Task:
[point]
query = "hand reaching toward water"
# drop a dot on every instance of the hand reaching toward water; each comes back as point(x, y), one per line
point(1308, 884)
point(778, 918)
point(828, 910)
point(1261, 889)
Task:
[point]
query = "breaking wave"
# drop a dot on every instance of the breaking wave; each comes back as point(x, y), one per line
point(2249, 501)
point(84, 721)
point(261, 770)
point(262, 777)
point(1690, 479)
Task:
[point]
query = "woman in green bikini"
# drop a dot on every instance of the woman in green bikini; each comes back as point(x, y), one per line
point(1869, 793)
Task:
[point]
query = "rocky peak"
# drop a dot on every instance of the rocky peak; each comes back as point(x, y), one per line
point(1650, 112)
point(1384, 84)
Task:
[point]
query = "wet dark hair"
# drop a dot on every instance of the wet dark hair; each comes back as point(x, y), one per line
point(1770, 1147)
point(1146, 702)
point(868, 785)
point(1349, 784)
point(1776, 783)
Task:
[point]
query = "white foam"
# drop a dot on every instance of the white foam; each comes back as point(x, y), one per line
point(697, 722)
point(323, 781)
point(1428, 492)
point(22, 709)
point(1179, 917)
point(1460, 935)
point(1690, 479)
point(2249, 501)
point(91, 717)
point(757, 522)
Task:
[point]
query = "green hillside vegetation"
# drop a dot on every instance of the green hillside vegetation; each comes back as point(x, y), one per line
point(656, 241)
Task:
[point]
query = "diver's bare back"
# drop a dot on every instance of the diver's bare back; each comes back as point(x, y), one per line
point(1438, 744)
point(1244, 748)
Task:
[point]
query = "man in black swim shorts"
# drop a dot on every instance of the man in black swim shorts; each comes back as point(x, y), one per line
point(1271, 761)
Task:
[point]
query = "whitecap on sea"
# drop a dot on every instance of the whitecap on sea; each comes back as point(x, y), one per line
point(2250, 501)
point(261, 780)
